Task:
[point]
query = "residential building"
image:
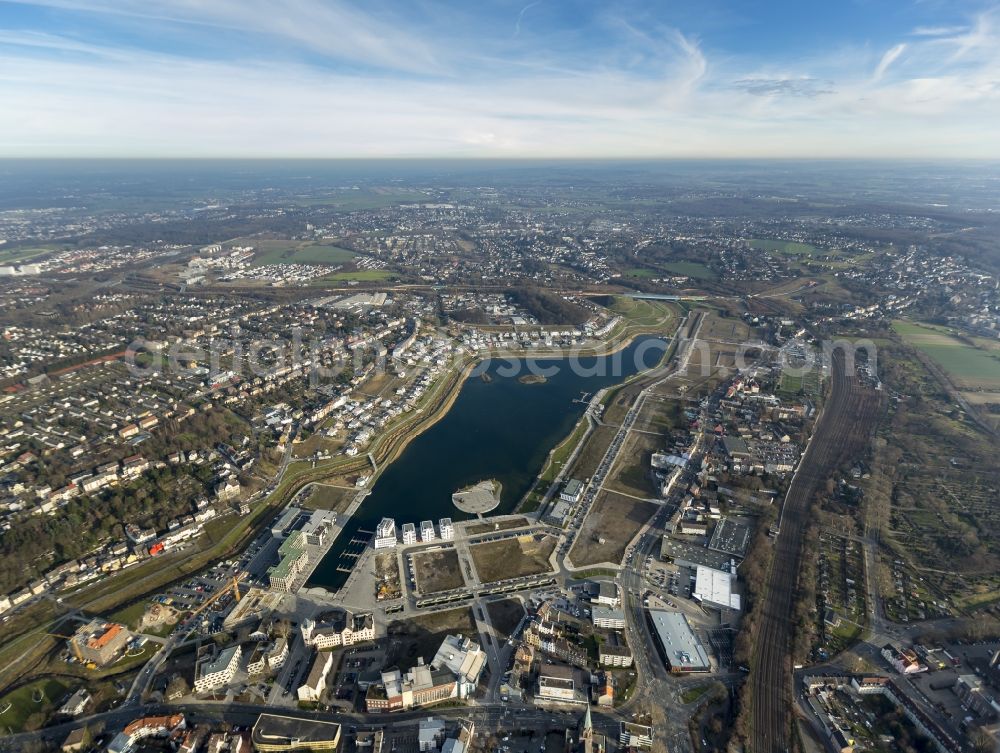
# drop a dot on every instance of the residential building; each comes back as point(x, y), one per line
point(149, 726)
point(345, 631)
point(430, 734)
point(409, 534)
point(427, 531)
point(635, 736)
point(614, 652)
point(572, 491)
point(293, 561)
point(385, 534)
point(447, 529)
point(608, 618)
point(311, 690)
point(453, 673)
point(607, 594)
point(903, 660)
point(214, 672)
point(558, 683)
point(76, 704)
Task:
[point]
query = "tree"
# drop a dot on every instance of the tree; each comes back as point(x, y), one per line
point(982, 741)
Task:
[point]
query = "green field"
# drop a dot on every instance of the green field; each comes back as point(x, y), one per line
point(363, 275)
point(792, 248)
point(691, 269)
point(35, 698)
point(293, 252)
point(640, 272)
point(21, 255)
point(969, 366)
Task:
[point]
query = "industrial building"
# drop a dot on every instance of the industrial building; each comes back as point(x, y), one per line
point(714, 588)
point(679, 646)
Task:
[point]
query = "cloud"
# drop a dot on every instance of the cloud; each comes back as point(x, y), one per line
point(625, 88)
point(937, 31)
point(787, 87)
point(520, 16)
point(334, 28)
point(890, 56)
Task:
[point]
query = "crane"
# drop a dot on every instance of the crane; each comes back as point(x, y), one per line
point(234, 585)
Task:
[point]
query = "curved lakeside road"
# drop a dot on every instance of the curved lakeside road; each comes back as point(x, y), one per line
point(842, 432)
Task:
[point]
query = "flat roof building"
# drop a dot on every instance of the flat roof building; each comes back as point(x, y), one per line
point(683, 554)
point(572, 491)
point(217, 671)
point(730, 537)
point(427, 531)
point(447, 529)
point(409, 534)
point(273, 733)
point(714, 588)
point(679, 646)
point(385, 534)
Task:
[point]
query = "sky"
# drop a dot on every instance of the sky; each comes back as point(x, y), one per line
point(489, 78)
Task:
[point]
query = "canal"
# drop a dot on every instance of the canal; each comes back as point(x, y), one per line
point(500, 426)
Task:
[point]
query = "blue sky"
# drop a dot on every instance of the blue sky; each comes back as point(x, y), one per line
point(572, 78)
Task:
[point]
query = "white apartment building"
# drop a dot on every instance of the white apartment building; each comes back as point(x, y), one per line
point(427, 531)
point(409, 534)
point(447, 529)
point(385, 534)
point(354, 628)
point(218, 671)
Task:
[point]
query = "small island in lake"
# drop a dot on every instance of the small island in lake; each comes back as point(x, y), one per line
point(532, 379)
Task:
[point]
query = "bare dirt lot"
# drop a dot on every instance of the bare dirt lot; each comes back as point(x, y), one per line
point(387, 575)
point(512, 558)
point(437, 571)
point(420, 637)
point(632, 473)
point(487, 526)
point(326, 497)
point(592, 452)
point(611, 523)
point(505, 615)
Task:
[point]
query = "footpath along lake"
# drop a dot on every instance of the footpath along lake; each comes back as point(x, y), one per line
point(500, 427)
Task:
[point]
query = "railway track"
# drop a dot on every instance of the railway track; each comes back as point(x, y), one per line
point(842, 432)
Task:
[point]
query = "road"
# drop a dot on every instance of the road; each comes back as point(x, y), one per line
point(486, 718)
point(841, 434)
